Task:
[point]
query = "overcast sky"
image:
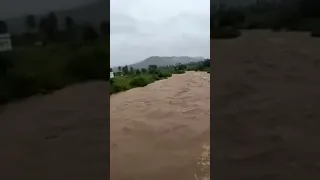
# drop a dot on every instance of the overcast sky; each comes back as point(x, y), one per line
point(14, 8)
point(144, 28)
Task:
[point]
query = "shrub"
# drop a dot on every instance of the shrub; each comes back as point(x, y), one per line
point(139, 82)
point(92, 65)
point(6, 62)
point(111, 81)
point(164, 74)
point(200, 68)
point(144, 70)
point(206, 63)
point(156, 77)
point(21, 85)
point(180, 72)
point(118, 88)
point(4, 92)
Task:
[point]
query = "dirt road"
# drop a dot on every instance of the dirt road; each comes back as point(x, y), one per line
point(158, 132)
point(266, 106)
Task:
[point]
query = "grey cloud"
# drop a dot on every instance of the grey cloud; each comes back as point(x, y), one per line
point(165, 39)
point(123, 24)
point(179, 28)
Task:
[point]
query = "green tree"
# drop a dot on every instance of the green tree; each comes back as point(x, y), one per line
point(180, 66)
point(69, 28)
point(143, 70)
point(119, 68)
point(131, 70)
point(118, 74)
point(3, 27)
point(152, 68)
point(43, 24)
point(206, 62)
point(69, 22)
point(51, 26)
point(89, 34)
point(42, 29)
point(138, 71)
point(30, 22)
point(125, 69)
point(53, 21)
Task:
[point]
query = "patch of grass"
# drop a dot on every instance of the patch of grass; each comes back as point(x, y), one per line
point(180, 72)
point(30, 70)
point(88, 65)
point(124, 83)
point(138, 82)
point(164, 74)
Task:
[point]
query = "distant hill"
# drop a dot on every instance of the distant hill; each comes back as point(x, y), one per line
point(93, 13)
point(163, 61)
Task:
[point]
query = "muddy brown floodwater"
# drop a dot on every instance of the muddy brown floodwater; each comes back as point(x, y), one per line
point(58, 136)
point(159, 131)
point(266, 106)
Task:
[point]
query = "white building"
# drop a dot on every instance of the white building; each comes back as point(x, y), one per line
point(111, 75)
point(5, 42)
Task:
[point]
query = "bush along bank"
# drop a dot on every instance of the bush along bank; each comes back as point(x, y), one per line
point(27, 71)
point(127, 78)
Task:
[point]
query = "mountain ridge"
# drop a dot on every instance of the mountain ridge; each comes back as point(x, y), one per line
point(162, 61)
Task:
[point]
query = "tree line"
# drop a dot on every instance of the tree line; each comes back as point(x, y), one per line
point(47, 30)
point(127, 77)
point(154, 69)
point(293, 15)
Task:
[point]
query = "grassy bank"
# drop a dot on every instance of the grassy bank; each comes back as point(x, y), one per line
point(29, 70)
point(127, 79)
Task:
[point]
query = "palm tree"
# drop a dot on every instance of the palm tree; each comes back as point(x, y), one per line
point(69, 28)
point(30, 22)
point(3, 27)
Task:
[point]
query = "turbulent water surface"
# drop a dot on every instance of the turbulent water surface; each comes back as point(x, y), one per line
point(159, 131)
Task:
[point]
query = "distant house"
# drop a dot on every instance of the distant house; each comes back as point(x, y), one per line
point(111, 75)
point(5, 42)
